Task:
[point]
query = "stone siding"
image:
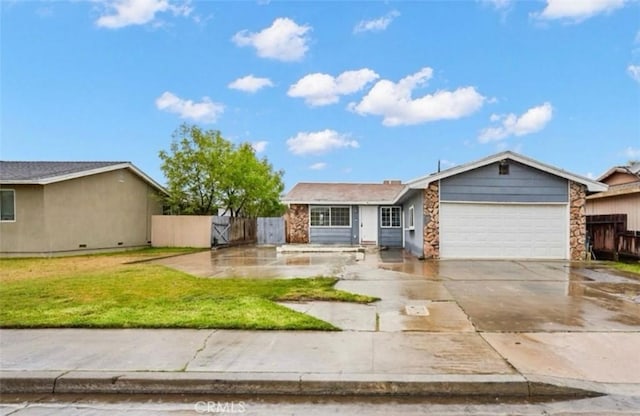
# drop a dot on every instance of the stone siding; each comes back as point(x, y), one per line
point(577, 221)
point(297, 224)
point(432, 221)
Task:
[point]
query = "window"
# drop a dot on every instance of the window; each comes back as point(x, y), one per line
point(411, 220)
point(503, 168)
point(7, 205)
point(390, 217)
point(330, 217)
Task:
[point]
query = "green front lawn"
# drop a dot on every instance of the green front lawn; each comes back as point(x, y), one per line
point(628, 267)
point(102, 292)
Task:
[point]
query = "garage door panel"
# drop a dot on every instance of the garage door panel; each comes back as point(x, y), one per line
point(503, 231)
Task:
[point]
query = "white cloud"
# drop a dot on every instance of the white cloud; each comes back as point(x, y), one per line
point(634, 72)
point(318, 166)
point(632, 153)
point(319, 142)
point(322, 89)
point(284, 40)
point(250, 83)
point(394, 103)
point(121, 13)
point(260, 146)
point(577, 10)
point(533, 120)
point(205, 111)
point(376, 25)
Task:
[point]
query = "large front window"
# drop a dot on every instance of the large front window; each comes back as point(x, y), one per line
point(390, 217)
point(7, 205)
point(330, 216)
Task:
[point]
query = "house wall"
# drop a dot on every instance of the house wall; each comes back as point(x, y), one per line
point(337, 235)
point(103, 211)
point(522, 184)
point(577, 221)
point(620, 204)
point(297, 224)
point(431, 211)
point(618, 178)
point(390, 237)
point(413, 238)
point(27, 233)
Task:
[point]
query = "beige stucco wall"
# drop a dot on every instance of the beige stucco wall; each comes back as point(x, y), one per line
point(621, 204)
point(27, 232)
point(181, 231)
point(103, 211)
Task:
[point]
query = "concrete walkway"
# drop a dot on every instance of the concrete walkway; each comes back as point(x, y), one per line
point(441, 328)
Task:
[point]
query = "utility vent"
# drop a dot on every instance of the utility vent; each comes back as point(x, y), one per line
point(392, 182)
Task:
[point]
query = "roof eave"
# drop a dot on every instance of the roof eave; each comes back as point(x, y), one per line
point(89, 172)
point(592, 186)
point(307, 202)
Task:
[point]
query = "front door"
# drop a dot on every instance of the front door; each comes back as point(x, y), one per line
point(368, 224)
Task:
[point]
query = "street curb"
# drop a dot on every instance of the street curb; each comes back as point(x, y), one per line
point(91, 382)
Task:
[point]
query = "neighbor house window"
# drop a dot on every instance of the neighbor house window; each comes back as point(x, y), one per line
point(7, 205)
point(411, 220)
point(330, 217)
point(390, 217)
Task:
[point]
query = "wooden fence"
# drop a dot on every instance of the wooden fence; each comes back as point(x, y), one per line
point(232, 230)
point(609, 237)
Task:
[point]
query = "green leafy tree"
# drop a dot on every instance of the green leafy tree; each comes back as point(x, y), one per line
point(205, 172)
point(250, 186)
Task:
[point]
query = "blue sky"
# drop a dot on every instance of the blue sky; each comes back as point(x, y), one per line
point(327, 91)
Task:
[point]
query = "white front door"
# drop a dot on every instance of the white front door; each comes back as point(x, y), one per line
point(368, 224)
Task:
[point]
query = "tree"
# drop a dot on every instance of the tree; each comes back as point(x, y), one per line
point(250, 186)
point(206, 172)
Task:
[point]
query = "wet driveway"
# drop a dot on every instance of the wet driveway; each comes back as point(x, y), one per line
point(446, 295)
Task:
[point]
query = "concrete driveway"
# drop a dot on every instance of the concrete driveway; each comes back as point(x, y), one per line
point(443, 296)
point(547, 319)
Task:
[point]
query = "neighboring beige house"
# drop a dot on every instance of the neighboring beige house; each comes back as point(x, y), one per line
point(622, 197)
point(65, 207)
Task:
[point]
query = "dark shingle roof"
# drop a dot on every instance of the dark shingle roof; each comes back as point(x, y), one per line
point(358, 193)
point(42, 173)
point(35, 171)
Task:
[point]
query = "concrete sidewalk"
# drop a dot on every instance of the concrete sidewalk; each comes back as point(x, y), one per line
point(271, 362)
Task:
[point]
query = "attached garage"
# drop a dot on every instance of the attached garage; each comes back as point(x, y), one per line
point(505, 206)
point(493, 231)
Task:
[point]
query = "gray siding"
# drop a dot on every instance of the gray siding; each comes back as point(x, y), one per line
point(522, 184)
point(328, 235)
point(355, 225)
point(413, 239)
point(390, 237)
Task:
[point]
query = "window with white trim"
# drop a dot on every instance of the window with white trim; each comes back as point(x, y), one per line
point(330, 216)
point(7, 205)
point(390, 217)
point(411, 219)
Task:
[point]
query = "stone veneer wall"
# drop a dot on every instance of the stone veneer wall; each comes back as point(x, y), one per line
point(432, 221)
point(298, 224)
point(577, 221)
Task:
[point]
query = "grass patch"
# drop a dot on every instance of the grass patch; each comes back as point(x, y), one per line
point(627, 267)
point(104, 292)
